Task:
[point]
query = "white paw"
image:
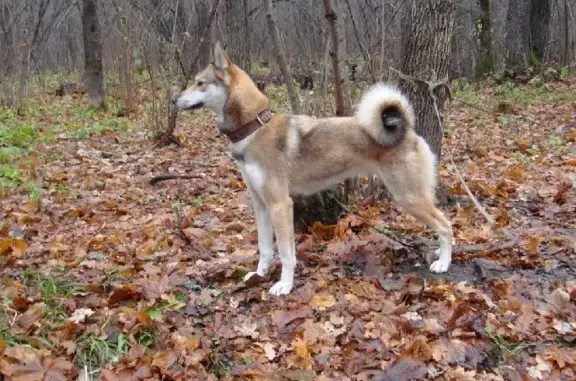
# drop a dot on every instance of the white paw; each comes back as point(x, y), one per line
point(281, 288)
point(250, 275)
point(439, 266)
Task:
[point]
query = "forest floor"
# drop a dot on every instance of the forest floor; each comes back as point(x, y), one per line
point(105, 275)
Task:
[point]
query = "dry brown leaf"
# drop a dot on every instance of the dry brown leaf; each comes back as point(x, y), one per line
point(124, 293)
point(322, 301)
point(164, 360)
point(404, 369)
point(24, 323)
point(323, 232)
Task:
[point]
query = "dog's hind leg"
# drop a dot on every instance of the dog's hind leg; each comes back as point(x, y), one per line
point(265, 236)
point(411, 191)
point(428, 214)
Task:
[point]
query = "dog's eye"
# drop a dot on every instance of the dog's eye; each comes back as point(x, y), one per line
point(200, 83)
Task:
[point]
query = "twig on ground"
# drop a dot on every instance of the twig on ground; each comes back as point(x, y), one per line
point(477, 204)
point(169, 176)
point(485, 246)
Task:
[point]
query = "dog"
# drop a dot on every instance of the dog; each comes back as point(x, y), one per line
point(282, 155)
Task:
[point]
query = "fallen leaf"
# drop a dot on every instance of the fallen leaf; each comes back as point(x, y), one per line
point(24, 323)
point(124, 293)
point(541, 370)
point(235, 227)
point(322, 301)
point(404, 369)
point(282, 318)
point(21, 303)
point(164, 360)
point(80, 315)
point(561, 356)
point(323, 232)
point(560, 197)
point(298, 375)
point(269, 350)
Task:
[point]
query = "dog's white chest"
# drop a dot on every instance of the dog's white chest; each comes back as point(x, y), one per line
point(252, 174)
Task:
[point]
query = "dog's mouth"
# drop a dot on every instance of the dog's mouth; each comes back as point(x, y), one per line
point(195, 106)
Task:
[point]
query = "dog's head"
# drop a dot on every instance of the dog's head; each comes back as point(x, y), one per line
point(227, 90)
point(211, 86)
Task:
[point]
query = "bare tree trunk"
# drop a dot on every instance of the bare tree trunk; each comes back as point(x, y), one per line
point(567, 40)
point(383, 74)
point(540, 17)
point(336, 55)
point(126, 69)
point(167, 135)
point(248, 58)
point(428, 36)
point(517, 36)
point(485, 36)
point(206, 47)
point(281, 58)
point(341, 86)
point(92, 53)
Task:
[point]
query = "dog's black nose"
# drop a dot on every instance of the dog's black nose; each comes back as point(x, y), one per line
point(174, 100)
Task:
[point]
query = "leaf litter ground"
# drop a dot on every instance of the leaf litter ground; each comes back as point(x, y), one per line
point(107, 276)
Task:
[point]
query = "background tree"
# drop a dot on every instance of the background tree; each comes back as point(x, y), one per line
point(540, 15)
point(280, 58)
point(426, 64)
point(94, 75)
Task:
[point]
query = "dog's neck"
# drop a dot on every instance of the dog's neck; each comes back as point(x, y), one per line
point(244, 105)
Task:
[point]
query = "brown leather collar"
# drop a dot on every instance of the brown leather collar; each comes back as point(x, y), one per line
point(247, 129)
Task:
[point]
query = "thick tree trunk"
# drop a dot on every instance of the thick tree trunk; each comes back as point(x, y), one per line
point(281, 58)
point(540, 17)
point(484, 26)
point(94, 75)
point(517, 34)
point(427, 42)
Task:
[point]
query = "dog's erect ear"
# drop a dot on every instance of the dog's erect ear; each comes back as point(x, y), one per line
point(220, 58)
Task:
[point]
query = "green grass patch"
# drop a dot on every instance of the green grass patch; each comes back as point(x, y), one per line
point(219, 364)
point(146, 337)
point(94, 352)
point(43, 123)
point(504, 349)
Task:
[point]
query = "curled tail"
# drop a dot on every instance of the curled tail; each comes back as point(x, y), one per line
point(385, 114)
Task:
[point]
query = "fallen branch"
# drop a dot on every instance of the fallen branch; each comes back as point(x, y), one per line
point(485, 246)
point(169, 176)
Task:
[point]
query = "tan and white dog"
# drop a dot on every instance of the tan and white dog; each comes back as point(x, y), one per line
point(282, 155)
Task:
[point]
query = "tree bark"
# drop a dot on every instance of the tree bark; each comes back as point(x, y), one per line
point(517, 35)
point(540, 17)
point(281, 58)
point(342, 106)
point(427, 43)
point(94, 75)
point(247, 53)
point(485, 36)
point(341, 85)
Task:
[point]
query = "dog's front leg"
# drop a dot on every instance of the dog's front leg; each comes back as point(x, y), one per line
point(282, 216)
point(265, 237)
